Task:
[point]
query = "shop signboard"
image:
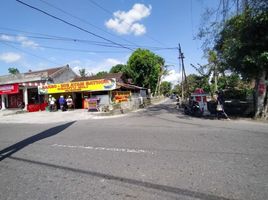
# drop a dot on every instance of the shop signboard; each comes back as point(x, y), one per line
point(9, 89)
point(91, 85)
point(121, 96)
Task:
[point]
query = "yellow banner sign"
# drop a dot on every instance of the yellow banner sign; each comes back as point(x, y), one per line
point(92, 85)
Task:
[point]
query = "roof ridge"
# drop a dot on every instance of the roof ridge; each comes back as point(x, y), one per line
point(43, 70)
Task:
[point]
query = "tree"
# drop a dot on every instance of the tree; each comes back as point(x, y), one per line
point(82, 72)
point(176, 89)
point(118, 68)
point(163, 72)
point(13, 70)
point(144, 67)
point(242, 45)
point(212, 69)
point(194, 81)
point(101, 73)
point(165, 88)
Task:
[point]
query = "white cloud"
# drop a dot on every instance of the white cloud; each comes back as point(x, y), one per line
point(10, 57)
point(94, 67)
point(111, 62)
point(127, 22)
point(6, 38)
point(24, 41)
point(173, 77)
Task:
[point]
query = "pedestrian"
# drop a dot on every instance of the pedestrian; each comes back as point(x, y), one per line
point(220, 105)
point(62, 103)
point(69, 101)
point(52, 103)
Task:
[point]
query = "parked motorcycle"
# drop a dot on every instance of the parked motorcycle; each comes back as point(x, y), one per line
point(193, 109)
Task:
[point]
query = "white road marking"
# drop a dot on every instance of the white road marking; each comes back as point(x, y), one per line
point(103, 148)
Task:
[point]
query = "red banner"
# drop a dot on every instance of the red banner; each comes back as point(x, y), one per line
point(9, 89)
point(262, 88)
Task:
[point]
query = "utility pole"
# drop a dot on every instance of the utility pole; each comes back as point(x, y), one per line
point(183, 74)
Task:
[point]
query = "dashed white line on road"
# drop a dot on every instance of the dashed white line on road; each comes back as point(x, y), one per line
point(103, 148)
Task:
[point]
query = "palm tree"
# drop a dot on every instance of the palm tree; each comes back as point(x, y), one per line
point(82, 72)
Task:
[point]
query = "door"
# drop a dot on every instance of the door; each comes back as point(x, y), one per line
point(78, 100)
point(15, 99)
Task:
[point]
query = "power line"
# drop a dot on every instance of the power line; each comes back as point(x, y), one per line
point(109, 12)
point(66, 49)
point(101, 7)
point(73, 25)
point(67, 39)
point(40, 57)
point(85, 21)
point(56, 48)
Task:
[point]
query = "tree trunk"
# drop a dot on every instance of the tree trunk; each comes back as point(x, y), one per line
point(157, 89)
point(260, 99)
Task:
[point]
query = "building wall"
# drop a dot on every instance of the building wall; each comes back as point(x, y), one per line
point(64, 76)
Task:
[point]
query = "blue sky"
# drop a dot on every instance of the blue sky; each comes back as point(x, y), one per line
point(31, 40)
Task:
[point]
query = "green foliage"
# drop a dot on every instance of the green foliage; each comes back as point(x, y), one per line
point(176, 89)
point(145, 68)
point(234, 87)
point(243, 42)
point(101, 73)
point(118, 68)
point(13, 70)
point(231, 81)
point(194, 81)
point(234, 93)
point(165, 87)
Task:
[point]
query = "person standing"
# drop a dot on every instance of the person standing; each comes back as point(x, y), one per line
point(69, 101)
point(62, 103)
point(52, 103)
point(220, 105)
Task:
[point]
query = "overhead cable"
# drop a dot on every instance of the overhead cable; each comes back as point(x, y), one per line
point(42, 58)
point(85, 21)
point(73, 25)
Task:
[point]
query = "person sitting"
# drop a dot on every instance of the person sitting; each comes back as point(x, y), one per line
point(69, 101)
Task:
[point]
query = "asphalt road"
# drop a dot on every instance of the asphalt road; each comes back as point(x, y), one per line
point(156, 153)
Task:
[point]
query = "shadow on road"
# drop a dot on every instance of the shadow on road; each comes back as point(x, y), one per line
point(156, 110)
point(163, 188)
point(159, 109)
point(20, 145)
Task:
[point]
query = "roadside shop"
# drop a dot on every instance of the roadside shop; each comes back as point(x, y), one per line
point(93, 94)
point(21, 90)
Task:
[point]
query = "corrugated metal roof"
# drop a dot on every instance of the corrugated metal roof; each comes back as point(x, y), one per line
point(40, 75)
point(49, 71)
point(129, 86)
